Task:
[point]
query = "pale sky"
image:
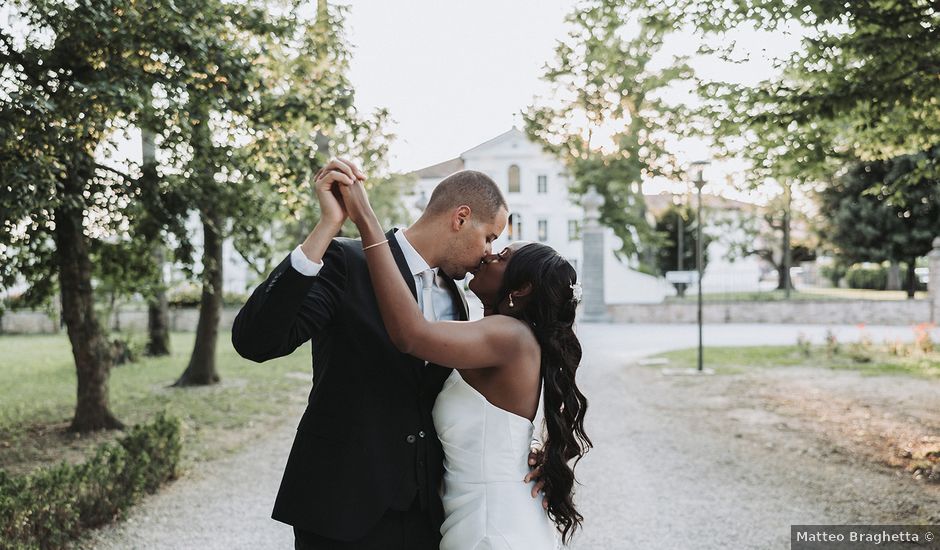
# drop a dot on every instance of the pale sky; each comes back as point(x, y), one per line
point(454, 74)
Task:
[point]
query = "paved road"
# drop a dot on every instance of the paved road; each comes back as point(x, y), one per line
point(661, 476)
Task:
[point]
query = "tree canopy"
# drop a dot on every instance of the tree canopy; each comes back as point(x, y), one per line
point(604, 77)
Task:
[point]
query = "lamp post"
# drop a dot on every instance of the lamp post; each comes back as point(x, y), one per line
point(697, 171)
point(787, 253)
point(680, 241)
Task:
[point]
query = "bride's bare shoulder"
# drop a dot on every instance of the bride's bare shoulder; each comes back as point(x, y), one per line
point(512, 327)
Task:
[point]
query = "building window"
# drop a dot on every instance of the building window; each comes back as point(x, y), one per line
point(543, 230)
point(515, 227)
point(543, 184)
point(514, 178)
point(574, 230)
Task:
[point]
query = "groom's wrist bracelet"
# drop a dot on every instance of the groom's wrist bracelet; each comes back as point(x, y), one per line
point(374, 245)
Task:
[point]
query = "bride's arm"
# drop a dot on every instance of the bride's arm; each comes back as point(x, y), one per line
point(490, 342)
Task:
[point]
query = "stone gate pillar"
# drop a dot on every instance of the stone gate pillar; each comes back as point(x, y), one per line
point(933, 284)
point(592, 273)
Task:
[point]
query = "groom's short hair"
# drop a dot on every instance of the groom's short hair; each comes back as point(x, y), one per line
point(469, 187)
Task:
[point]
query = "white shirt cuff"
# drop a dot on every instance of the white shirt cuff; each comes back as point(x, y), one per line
point(303, 264)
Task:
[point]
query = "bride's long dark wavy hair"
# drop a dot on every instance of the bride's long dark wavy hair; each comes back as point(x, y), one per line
point(550, 311)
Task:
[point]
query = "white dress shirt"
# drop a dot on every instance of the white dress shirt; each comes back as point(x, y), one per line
point(443, 303)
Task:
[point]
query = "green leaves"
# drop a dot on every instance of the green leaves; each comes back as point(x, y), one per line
point(870, 217)
point(604, 82)
point(864, 83)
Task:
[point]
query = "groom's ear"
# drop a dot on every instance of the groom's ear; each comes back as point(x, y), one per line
point(461, 217)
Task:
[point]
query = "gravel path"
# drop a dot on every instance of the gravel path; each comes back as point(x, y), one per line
point(680, 462)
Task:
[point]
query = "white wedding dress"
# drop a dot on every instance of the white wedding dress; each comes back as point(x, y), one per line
point(486, 504)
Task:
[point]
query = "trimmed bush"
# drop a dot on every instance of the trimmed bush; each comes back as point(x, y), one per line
point(834, 272)
point(873, 278)
point(191, 296)
point(52, 506)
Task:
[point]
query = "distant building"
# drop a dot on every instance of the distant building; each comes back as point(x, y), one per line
point(536, 187)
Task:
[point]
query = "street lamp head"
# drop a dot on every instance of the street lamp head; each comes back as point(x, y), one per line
point(697, 172)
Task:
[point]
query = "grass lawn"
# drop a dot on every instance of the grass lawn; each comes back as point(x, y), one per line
point(868, 361)
point(37, 398)
point(802, 294)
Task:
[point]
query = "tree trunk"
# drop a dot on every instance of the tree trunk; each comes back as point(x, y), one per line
point(911, 278)
point(114, 323)
point(90, 348)
point(782, 277)
point(158, 312)
point(894, 276)
point(158, 333)
point(202, 369)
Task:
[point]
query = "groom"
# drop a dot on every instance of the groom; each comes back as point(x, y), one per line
point(366, 466)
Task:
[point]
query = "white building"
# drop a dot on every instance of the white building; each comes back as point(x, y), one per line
point(535, 185)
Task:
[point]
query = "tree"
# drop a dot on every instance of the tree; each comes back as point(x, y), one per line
point(223, 178)
point(869, 67)
point(667, 254)
point(603, 80)
point(766, 234)
point(257, 145)
point(866, 226)
point(75, 80)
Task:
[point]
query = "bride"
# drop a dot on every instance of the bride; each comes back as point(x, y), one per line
point(523, 348)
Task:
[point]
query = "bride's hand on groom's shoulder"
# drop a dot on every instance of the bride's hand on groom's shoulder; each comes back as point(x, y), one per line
point(332, 205)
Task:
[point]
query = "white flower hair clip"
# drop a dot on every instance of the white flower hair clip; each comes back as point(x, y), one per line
point(576, 292)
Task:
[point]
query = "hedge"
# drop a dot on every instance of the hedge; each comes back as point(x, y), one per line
point(52, 506)
point(873, 278)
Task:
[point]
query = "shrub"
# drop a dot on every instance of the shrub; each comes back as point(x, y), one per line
point(127, 348)
point(873, 278)
point(804, 344)
point(187, 296)
point(832, 343)
point(191, 295)
point(48, 508)
point(834, 272)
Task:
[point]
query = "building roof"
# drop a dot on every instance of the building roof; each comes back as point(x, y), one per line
point(511, 133)
point(440, 170)
point(448, 167)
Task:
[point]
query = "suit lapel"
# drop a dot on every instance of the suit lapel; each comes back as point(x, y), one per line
point(402, 263)
point(417, 364)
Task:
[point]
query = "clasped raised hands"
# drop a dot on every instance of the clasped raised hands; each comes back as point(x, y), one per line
point(341, 193)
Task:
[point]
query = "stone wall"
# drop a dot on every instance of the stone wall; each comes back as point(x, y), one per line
point(836, 312)
point(845, 312)
point(38, 322)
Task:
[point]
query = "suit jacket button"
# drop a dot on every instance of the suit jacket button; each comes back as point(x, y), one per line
point(421, 434)
point(410, 439)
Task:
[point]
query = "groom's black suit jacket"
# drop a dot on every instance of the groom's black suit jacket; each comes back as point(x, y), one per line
point(366, 442)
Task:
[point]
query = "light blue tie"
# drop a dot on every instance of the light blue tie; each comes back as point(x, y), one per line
point(427, 299)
